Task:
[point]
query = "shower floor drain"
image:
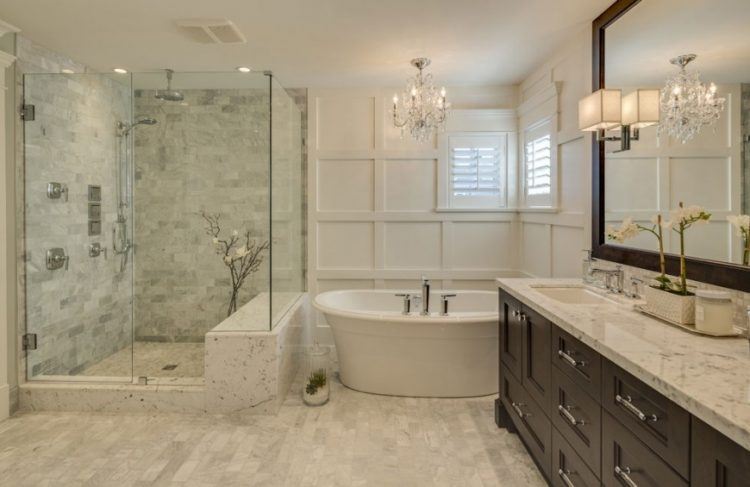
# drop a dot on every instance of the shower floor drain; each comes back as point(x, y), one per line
point(169, 367)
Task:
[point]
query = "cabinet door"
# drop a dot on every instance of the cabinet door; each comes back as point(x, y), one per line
point(578, 417)
point(511, 334)
point(717, 460)
point(567, 466)
point(628, 462)
point(579, 362)
point(532, 424)
point(536, 357)
point(655, 420)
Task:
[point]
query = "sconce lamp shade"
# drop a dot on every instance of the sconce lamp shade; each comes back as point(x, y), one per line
point(601, 110)
point(641, 108)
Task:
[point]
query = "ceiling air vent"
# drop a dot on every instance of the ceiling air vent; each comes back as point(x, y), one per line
point(211, 31)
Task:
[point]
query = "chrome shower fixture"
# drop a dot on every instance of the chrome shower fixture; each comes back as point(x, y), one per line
point(123, 128)
point(169, 94)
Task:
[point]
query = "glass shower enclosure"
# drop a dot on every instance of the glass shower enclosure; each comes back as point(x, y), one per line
point(151, 215)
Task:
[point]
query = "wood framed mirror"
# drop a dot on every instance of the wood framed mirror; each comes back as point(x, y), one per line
point(635, 37)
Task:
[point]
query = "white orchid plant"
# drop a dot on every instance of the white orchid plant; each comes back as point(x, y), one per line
point(681, 219)
point(240, 254)
point(741, 223)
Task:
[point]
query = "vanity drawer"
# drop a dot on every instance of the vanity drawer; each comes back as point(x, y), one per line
point(578, 361)
point(658, 422)
point(627, 461)
point(568, 469)
point(578, 417)
point(511, 334)
point(532, 424)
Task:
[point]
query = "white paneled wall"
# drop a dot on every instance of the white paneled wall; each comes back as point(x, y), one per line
point(372, 219)
point(551, 241)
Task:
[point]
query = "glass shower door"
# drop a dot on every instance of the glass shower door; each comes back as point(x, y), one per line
point(79, 290)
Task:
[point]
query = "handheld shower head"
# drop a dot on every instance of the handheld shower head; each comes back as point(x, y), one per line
point(169, 94)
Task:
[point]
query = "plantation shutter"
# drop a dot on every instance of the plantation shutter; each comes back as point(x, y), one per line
point(477, 166)
point(538, 165)
point(538, 171)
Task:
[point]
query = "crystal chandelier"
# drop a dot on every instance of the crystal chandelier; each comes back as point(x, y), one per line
point(687, 105)
point(422, 108)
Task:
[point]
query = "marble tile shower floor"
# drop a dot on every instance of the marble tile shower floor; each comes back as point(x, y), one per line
point(154, 360)
point(355, 440)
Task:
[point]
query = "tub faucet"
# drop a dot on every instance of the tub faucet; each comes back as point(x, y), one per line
point(425, 296)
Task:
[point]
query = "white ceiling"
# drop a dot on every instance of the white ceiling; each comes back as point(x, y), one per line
point(640, 44)
point(321, 43)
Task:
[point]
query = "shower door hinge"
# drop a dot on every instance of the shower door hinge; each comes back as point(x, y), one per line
point(29, 341)
point(28, 113)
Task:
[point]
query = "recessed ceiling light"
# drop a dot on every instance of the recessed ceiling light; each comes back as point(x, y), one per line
point(120, 70)
point(243, 69)
point(67, 71)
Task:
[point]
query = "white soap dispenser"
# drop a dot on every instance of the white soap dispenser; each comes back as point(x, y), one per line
point(588, 263)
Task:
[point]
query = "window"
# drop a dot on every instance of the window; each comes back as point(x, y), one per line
point(538, 164)
point(477, 171)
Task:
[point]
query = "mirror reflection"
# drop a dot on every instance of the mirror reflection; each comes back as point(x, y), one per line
point(699, 151)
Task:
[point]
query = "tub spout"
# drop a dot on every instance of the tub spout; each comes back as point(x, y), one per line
point(425, 296)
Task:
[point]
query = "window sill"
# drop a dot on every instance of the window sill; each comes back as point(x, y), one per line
point(476, 210)
point(545, 209)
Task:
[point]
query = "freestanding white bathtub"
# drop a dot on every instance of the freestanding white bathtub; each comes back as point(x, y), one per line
point(384, 352)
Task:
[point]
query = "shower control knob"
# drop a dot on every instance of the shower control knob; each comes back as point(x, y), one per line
point(96, 249)
point(56, 259)
point(55, 191)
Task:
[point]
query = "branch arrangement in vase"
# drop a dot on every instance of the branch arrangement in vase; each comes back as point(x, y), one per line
point(742, 224)
point(241, 255)
point(681, 219)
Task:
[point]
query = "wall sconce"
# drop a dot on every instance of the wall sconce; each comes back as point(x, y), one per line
point(607, 109)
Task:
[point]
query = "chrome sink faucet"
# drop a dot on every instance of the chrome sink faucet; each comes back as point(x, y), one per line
point(425, 296)
point(617, 275)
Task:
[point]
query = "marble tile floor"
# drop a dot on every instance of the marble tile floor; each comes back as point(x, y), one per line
point(149, 359)
point(356, 439)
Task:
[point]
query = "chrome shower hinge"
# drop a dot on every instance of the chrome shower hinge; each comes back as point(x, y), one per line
point(29, 341)
point(28, 113)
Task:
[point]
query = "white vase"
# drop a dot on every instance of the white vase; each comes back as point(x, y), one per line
point(670, 306)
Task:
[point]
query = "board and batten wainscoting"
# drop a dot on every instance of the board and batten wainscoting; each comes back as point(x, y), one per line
point(551, 239)
point(372, 198)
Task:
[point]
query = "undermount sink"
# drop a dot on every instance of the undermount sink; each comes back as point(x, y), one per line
point(572, 295)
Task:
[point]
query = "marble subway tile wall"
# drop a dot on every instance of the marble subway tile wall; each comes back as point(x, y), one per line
point(746, 147)
point(209, 152)
point(740, 299)
point(83, 314)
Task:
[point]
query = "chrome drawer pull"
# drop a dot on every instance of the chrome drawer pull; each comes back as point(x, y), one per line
point(627, 403)
point(517, 408)
point(623, 474)
point(564, 476)
point(565, 411)
point(568, 358)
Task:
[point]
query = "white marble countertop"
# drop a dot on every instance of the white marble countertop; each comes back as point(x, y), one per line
point(709, 377)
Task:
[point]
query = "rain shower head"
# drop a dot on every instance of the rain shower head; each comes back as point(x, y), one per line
point(169, 94)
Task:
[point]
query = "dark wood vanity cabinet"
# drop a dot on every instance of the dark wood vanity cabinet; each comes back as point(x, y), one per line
point(585, 421)
point(511, 335)
point(717, 461)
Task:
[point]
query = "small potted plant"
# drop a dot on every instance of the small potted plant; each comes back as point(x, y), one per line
point(742, 224)
point(669, 299)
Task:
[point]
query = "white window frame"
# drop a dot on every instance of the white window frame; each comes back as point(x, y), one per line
point(491, 123)
point(540, 129)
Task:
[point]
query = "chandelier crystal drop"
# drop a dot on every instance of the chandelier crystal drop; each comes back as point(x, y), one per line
point(687, 104)
point(422, 108)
